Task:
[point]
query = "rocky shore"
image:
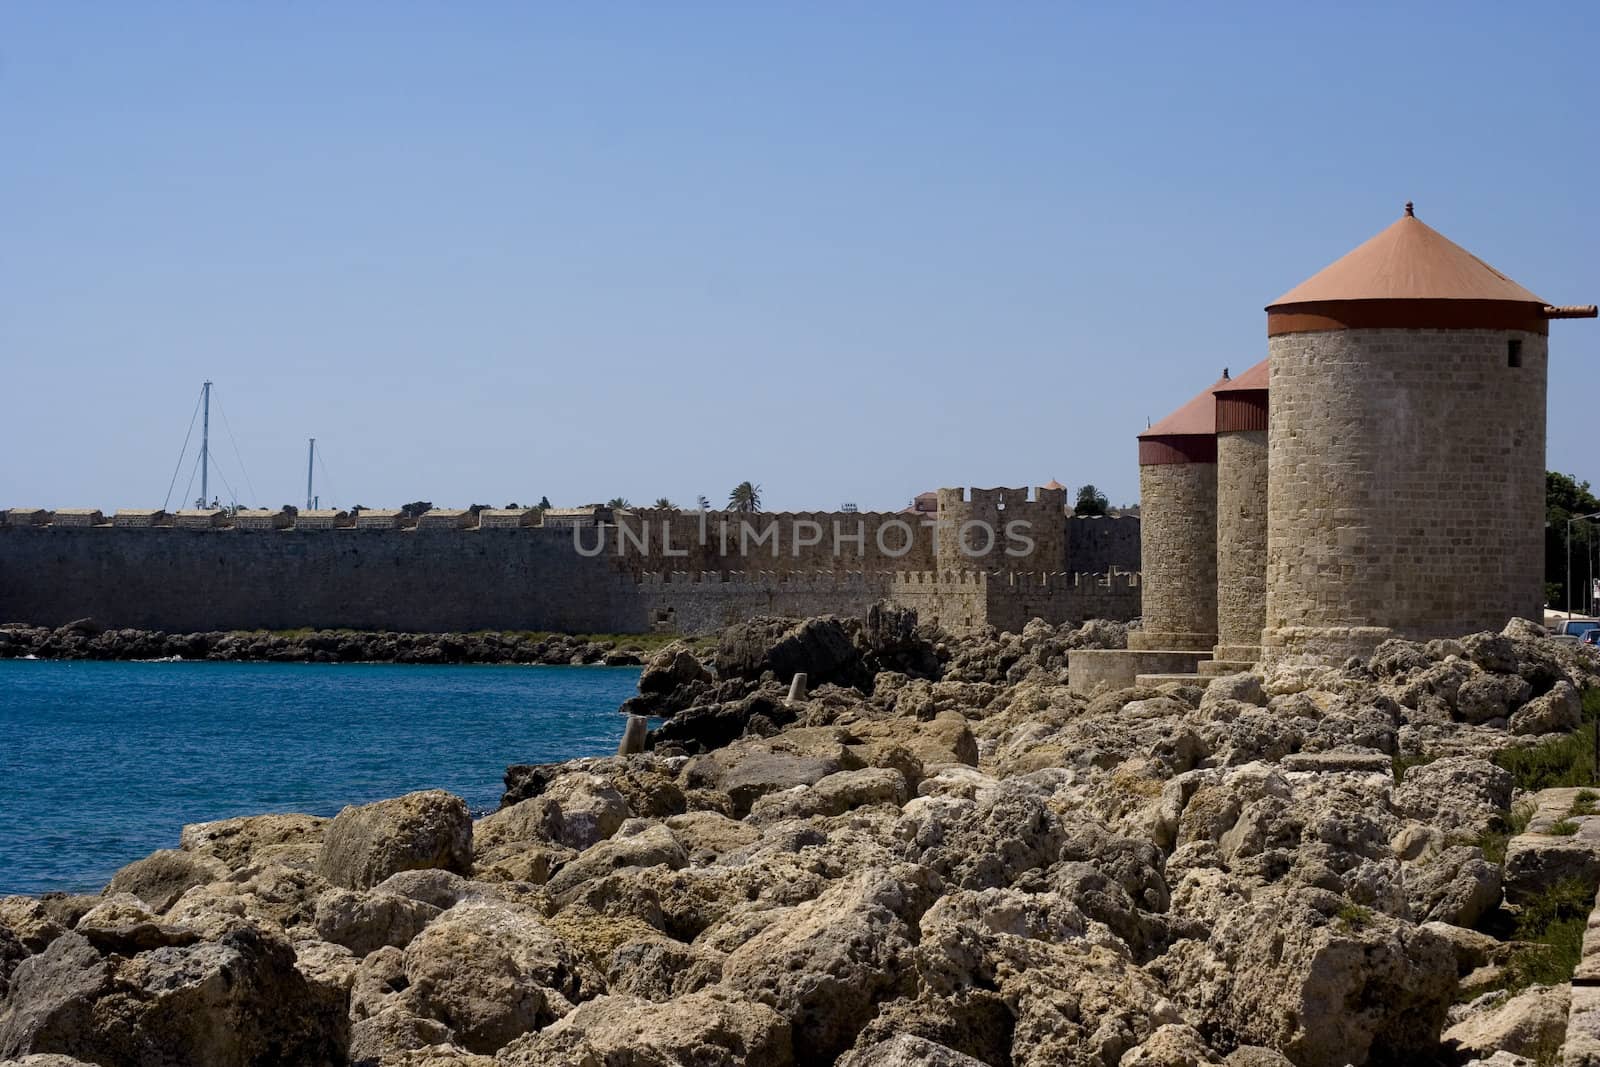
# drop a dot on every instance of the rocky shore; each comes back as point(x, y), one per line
point(87, 639)
point(938, 855)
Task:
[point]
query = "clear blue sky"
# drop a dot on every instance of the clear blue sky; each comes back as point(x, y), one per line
point(491, 251)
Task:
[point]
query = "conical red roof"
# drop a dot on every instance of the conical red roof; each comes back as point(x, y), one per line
point(1254, 378)
point(1197, 418)
point(1408, 261)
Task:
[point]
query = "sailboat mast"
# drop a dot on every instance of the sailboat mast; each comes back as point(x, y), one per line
point(311, 455)
point(205, 447)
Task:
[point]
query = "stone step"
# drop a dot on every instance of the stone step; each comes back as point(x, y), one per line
point(1150, 681)
point(1092, 670)
point(1216, 668)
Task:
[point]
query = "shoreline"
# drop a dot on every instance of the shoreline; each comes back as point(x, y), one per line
point(934, 852)
point(88, 640)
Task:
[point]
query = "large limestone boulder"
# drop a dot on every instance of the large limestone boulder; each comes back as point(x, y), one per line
point(825, 964)
point(364, 845)
point(255, 840)
point(492, 971)
point(1558, 711)
point(670, 668)
point(162, 877)
point(637, 843)
point(31, 923)
point(907, 1050)
point(1456, 886)
point(834, 794)
point(236, 1002)
point(820, 648)
point(1456, 793)
point(1532, 1023)
point(1328, 983)
point(575, 810)
point(366, 922)
point(711, 1028)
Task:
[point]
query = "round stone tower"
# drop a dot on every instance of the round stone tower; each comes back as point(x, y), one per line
point(1405, 456)
point(1178, 529)
point(1241, 517)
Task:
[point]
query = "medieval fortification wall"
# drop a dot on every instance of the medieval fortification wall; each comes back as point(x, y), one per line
point(630, 572)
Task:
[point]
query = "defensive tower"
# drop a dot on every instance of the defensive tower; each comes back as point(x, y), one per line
point(1405, 456)
point(1241, 517)
point(1178, 529)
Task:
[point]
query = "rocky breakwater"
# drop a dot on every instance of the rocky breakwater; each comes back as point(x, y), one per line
point(939, 856)
point(87, 639)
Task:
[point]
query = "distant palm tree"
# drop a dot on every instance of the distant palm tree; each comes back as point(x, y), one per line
point(618, 503)
point(1091, 501)
point(663, 504)
point(746, 497)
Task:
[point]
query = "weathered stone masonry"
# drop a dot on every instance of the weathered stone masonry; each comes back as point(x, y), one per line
point(1406, 485)
point(595, 572)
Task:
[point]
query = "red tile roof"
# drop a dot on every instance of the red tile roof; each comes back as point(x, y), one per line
point(1408, 261)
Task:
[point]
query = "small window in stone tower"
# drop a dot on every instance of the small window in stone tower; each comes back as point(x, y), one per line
point(1514, 353)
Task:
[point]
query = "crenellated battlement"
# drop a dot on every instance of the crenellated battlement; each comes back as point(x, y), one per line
point(593, 568)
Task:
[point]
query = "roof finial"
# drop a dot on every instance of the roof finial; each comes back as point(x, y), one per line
point(1224, 373)
point(1409, 212)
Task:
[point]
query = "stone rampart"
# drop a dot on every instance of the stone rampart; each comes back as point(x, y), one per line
point(621, 572)
point(164, 578)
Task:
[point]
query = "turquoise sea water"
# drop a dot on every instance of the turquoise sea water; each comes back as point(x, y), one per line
point(102, 763)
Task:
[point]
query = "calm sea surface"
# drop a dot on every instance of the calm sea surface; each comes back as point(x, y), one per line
point(102, 763)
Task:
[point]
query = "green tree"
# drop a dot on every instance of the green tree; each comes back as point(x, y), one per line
point(544, 503)
point(1091, 501)
point(1566, 498)
point(663, 504)
point(618, 503)
point(745, 497)
point(416, 508)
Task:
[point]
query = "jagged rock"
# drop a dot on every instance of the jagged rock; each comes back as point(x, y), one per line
point(31, 923)
point(1558, 711)
point(671, 668)
point(1491, 651)
point(1244, 688)
point(1458, 792)
point(123, 924)
point(236, 1001)
point(659, 968)
point(637, 843)
point(821, 648)
point(162, 877)
point(751, 774)
point(1455, 886)
point(834, 794)
point(490, 972)
point(255, 840)
point(705, 835)
point(376, 1041)
point(1484, 697)
point(442, 889)
point(1172, 1045)
point(825, 964)
point(364, 845)
point(1536, 862)
point(574, 810)
point(365, 922)
point(1324, 982)
point(712, 1027)
point(1256, 1056)
point(907, 1050)
point(1532, 1023)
